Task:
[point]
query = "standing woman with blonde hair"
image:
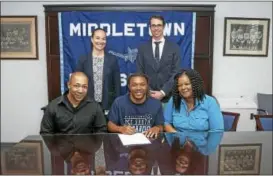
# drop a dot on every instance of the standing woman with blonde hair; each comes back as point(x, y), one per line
point(102, 70)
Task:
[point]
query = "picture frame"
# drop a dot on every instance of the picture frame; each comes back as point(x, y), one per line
point(239, 159)
point(23, 158)
point(19, 38)
point(246, 36)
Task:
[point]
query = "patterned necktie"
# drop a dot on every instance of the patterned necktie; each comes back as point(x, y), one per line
point(157, 50)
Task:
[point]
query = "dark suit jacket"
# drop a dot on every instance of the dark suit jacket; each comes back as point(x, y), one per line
point(160, 75)
point(111, 78)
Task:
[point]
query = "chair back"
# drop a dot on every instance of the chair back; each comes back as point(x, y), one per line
point(44, 108)
point(230, 120)
point(264, 103)
point(264, 122)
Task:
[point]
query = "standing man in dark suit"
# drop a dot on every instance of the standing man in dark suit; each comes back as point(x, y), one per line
point(159, 59)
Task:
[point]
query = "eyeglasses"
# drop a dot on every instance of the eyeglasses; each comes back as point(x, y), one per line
point(77, 86)
point(156, 25)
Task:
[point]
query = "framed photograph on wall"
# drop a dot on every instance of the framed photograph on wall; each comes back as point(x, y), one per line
point(24, 158)
point(246, 36)
point(239, 159)
point(19, 37)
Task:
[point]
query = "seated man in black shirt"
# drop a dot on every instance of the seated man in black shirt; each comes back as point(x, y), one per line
point(74, 112)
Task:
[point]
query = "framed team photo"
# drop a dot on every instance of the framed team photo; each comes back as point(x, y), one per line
point(23, 158)
point(246, 36)
point(239, 159)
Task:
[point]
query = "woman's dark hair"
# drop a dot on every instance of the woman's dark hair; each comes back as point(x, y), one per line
point(97, 29)
point(197, 87)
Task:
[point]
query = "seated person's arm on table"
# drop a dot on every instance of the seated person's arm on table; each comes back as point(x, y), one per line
point(158, 125)
point(113, 121)
point(112, 127)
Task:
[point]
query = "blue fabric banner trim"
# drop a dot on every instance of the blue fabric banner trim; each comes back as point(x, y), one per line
point(61, 51)
point(193, 38)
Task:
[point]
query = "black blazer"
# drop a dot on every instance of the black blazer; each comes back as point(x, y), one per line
point(111, 78)
point(160, 75)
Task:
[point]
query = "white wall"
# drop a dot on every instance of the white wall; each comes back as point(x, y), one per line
point(241, 75)
point(24, 83)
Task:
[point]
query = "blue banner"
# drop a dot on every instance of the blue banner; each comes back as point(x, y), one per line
point(125, 32)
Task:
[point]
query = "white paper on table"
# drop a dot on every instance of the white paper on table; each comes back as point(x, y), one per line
point(134, 139)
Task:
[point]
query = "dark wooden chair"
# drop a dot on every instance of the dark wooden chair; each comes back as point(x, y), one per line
point(264, 102)
point(44, 108)
point(264, 122)
point(264, 114)
point(230, 120)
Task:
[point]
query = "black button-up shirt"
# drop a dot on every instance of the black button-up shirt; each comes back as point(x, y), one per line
point(61, 117)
